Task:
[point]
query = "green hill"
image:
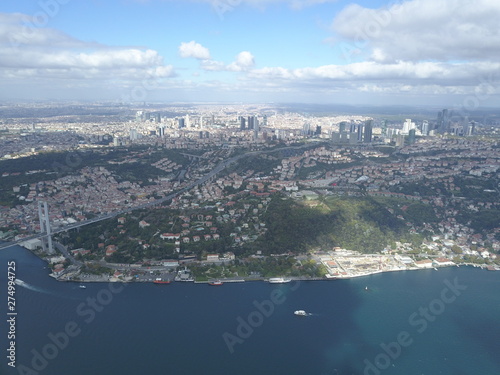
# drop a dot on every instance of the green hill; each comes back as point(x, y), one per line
point(364, 224)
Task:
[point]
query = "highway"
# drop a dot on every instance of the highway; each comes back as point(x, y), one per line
point(220, 167)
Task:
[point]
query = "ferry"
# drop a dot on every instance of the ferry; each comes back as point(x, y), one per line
point(215, 283)
point(161, 281)
point(300, 313)
point(278, 280)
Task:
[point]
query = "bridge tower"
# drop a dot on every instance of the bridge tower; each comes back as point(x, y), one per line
point(43, 216)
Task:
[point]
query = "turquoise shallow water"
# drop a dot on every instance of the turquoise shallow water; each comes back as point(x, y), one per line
point(425, 326)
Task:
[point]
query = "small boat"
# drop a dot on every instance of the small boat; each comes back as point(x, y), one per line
point(161, 281)
point(278, 280)
point(366, 288)
point(215, 283)
point(300, 313)
point(83, 286)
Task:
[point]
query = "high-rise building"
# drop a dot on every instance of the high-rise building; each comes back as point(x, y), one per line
point(242, 123)
point(342, 127)
point(251, 122)
point(368, 131)
point(425, 127)
point(400, 140)
point(133, 134)
point(335, 137)
point(392, 133)
point(360, 132)
point(443, 121)
point(306, 129)
point(471, 128)
point(318, 130)
point(264, 120)
point(411, 136)
point(161, 131)
point(182, 123)
point(352, 128)
point(188, 121)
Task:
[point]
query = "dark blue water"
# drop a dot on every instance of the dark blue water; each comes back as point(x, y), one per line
point(197, 329)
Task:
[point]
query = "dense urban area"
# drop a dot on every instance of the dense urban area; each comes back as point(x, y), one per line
point(247, 192)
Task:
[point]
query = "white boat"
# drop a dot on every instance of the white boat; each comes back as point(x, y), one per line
point(278, 280)
point(82, 286)
point(300, 313)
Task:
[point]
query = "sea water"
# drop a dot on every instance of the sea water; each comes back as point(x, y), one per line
point(413, 322)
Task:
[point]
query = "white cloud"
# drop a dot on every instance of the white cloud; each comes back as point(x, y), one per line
point(384, 77)
point(39, 60)
point(243, 62)
point(193, 49)
point(419, 30)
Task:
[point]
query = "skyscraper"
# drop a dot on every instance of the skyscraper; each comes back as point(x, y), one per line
point(471, 128)
point(256, 128)
point(360, 132)
point(407, 126)
point(242, 123)
point(342, 126)
point(133, 134)
point(368, 131)
point(443, 121)
point(306, 129)
point(425, 127)
point(318, 130)
point(411, 136)
point(181, 123)
point(352, 128)
point(400, 140)
point(251, 122)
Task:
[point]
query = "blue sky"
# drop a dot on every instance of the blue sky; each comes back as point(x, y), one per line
point(438, 52)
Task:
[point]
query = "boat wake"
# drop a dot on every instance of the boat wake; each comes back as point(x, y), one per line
point(31, 287)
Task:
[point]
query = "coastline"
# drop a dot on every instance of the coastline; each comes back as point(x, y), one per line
point(265, 280)
point(327, 277)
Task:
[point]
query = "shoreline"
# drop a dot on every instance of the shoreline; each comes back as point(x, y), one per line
point(262, 279)
point(265, 280)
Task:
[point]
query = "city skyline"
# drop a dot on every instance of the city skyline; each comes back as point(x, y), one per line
point(313, 51)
